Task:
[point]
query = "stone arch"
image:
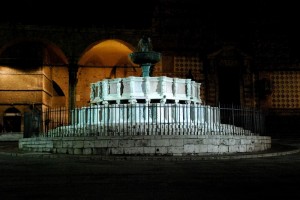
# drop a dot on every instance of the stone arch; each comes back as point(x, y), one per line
point(110, 52)
point(103, 59)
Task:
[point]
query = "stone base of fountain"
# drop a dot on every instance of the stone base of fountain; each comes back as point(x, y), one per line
point(123, 120)
point(173, 145)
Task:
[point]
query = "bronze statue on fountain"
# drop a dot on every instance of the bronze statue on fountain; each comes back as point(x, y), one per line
point(145, 56)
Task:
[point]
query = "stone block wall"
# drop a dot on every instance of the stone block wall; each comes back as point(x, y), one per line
point(147, 145)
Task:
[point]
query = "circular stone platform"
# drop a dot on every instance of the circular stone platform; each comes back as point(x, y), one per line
point(147, 145)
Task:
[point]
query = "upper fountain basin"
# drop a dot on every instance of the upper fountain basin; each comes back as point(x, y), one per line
point(143, 57)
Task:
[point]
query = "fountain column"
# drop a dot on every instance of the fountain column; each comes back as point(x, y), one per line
point(146, 69)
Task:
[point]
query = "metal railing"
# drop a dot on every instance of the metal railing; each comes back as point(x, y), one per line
point(151, 119)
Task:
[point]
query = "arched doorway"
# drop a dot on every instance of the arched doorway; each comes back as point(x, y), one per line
point(227, 77)
point(12, 120)
point(229, 85)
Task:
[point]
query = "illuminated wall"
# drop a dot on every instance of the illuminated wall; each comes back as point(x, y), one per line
point(104, 60)
point(20, 86)
point(286, 89)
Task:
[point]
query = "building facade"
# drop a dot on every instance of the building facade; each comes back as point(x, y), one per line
point(238, 63)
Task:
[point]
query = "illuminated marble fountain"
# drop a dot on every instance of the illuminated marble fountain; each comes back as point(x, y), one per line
point(147, 116)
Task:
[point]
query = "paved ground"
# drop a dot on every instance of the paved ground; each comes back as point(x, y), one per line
point(275, 173)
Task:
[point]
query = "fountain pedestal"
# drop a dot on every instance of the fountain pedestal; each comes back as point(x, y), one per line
point(146, 69)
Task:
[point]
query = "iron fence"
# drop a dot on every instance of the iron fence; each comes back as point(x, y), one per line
point(151, 119)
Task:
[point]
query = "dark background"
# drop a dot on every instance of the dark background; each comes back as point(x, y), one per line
point(78, 13)
point(132, 12)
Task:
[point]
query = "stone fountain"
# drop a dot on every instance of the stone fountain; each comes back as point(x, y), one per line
point(146, 116)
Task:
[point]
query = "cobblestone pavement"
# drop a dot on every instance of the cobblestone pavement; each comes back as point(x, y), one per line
point(44, 176)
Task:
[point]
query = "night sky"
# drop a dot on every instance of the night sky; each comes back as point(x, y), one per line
point(118, 12)
point(78, 13)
